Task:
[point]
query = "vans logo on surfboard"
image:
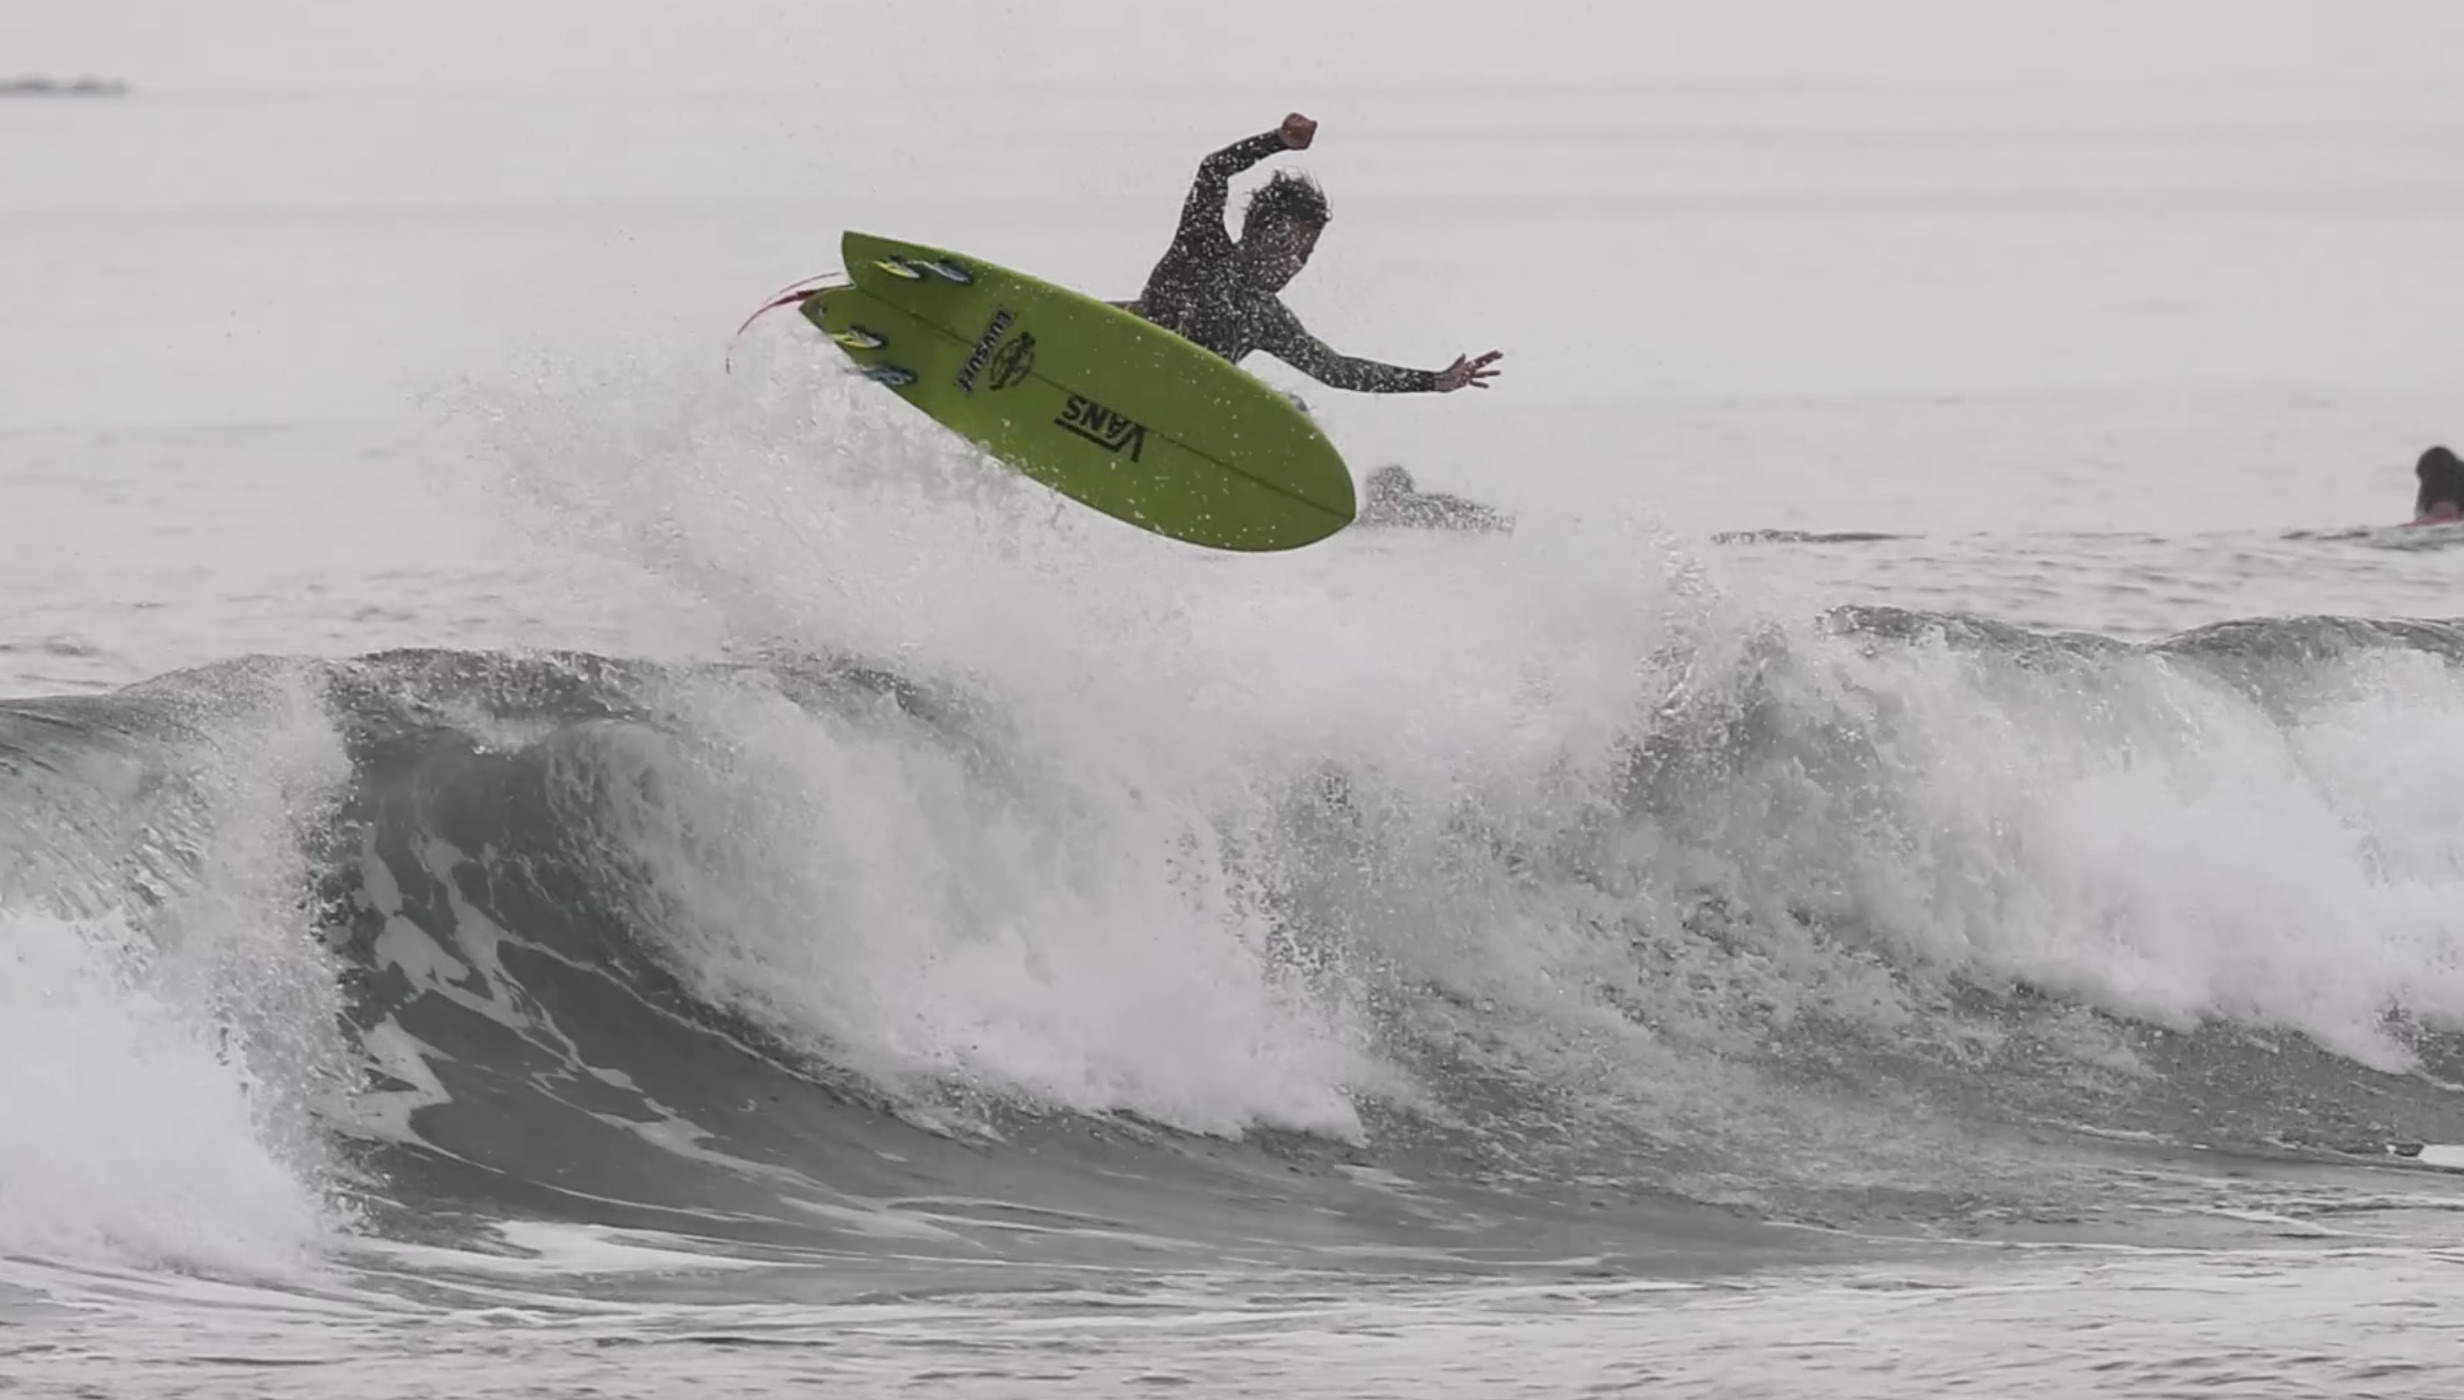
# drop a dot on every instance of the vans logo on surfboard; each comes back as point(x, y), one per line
point(974, 366)
point(1106, 428)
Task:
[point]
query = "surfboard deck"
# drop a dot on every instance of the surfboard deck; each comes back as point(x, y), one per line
point(1088, 399)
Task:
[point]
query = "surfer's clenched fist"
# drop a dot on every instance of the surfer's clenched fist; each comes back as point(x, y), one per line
point(1297, 132)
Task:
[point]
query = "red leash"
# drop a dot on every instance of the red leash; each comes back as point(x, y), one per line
point(786, 296)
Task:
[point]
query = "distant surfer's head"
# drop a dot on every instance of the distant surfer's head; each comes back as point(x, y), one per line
point(2442, 486)
point(1280, 228)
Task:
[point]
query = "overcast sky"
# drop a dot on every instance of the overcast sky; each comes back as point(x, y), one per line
point(1264, 43)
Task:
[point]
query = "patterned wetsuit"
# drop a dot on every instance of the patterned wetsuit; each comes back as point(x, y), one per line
point(1198, 291)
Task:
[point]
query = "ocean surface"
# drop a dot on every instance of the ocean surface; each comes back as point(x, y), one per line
point(1930, 861)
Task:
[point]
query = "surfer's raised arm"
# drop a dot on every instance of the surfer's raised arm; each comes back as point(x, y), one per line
point(1202, 215)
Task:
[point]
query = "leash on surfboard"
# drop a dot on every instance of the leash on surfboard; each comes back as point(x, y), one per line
point(788, 295)
point(913, 269)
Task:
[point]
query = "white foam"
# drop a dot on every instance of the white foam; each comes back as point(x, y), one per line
point(1084, 893)
point(164, 1058)
point(870, 896)
point(125, 1131)
point(2155, 843)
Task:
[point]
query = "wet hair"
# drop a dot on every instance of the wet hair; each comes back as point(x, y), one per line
point(2442, 479)
point(1287, 198)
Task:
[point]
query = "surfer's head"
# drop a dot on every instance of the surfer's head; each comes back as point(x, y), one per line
point(1280, 228)
point(2442, 486)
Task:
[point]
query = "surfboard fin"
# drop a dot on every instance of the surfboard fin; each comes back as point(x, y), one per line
point(913, 269)
point(890, 375)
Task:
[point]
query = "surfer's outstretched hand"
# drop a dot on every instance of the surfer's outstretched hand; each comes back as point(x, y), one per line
point(1297, 132)
point(1464, 371)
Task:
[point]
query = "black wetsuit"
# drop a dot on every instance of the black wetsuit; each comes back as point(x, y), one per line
point(1198, 291)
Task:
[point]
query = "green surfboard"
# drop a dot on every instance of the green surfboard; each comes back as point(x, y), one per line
point(1086, 398)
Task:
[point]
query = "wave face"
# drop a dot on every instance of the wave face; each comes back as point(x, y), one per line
point(1891, 912)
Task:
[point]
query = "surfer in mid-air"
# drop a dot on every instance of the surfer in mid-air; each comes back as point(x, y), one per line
point(1221, 293)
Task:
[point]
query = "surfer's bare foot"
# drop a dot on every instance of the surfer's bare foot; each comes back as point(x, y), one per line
point(1464, 371)
point(1297, 132)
